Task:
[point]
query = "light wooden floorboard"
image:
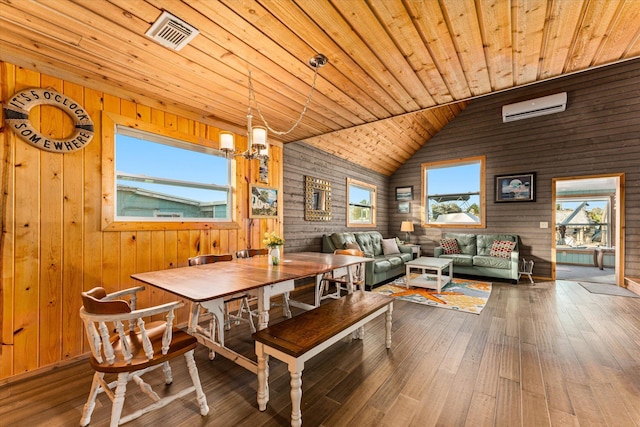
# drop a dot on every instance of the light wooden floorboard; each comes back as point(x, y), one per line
point(549, 354)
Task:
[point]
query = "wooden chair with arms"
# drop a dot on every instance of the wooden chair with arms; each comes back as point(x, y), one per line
point(341, 283)
point(122, 343)
point(248, 253)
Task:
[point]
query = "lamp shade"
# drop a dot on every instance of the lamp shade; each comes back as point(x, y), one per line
point(406, 226)
point(259, 138)
point(226, 141)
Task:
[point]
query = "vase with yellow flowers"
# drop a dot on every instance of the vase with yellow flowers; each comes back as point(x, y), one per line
point(274, 243)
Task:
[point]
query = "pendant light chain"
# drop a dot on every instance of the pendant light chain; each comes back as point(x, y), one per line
point(252, 97)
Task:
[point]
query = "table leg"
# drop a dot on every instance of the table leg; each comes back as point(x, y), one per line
point(450, 272)
point(439, 282)
point(264, 304)
point(407, 276)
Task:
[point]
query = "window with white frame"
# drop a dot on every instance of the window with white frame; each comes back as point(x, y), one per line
point(362, 204)
point(453, 193)
point(159, 178)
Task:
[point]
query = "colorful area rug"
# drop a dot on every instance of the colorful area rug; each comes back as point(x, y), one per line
point(463, 295)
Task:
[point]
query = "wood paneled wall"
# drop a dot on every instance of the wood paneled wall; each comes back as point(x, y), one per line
point(52, 245)
point(599, 133)
point(302, 160)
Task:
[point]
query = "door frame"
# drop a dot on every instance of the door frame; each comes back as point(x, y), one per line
point(619, 218)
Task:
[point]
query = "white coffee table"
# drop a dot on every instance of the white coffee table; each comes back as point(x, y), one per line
point(429, 263)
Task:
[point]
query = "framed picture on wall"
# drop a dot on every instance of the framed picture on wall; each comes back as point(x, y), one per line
point(264, 171)
point(404, 207)
point(263, 202)
point(404, 193)
point(516, 188)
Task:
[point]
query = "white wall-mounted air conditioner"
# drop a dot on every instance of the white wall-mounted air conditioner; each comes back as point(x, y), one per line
point(534, 107)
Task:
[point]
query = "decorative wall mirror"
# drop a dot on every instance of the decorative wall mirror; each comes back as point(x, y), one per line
point(317, 205)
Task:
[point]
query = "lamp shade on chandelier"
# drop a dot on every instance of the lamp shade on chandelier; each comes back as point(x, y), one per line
point(257, 143)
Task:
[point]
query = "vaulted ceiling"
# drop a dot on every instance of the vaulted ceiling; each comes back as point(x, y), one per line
point(398, 70)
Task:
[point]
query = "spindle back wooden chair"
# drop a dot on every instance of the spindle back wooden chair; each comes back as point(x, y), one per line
point(341, 282)
point(241, 299)
point(123, 343)
point(248, 253)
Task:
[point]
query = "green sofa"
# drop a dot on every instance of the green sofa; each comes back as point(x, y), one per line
point(474, 258)
point(384, 267)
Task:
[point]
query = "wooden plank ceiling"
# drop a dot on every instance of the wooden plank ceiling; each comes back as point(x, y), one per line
point(398, 71)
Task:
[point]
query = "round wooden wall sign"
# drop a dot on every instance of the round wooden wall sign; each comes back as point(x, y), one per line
point(16, 114)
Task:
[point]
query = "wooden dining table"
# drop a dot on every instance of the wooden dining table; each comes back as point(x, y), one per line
point(206, 286)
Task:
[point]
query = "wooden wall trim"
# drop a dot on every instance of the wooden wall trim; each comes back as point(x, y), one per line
point(110, 121)
point(53, 245)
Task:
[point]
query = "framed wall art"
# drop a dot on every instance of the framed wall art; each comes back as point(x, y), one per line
point(263, 202)
point(317, 204)
point(404, 193)
point(404, 207)
point(516, 188)
point(264, 171)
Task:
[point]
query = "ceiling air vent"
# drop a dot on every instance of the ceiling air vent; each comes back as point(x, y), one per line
point(171, 32)
point(535, 107)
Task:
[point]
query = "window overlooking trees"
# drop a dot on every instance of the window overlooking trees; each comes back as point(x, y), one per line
point(362, 204)
point(453, 193)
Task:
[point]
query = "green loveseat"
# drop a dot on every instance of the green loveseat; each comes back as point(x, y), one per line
point(475, 259)
point(370, 242)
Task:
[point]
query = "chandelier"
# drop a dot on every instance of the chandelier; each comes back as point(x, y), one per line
point(257, 145)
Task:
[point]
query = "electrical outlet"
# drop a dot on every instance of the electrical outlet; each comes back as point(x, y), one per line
point(544, 224)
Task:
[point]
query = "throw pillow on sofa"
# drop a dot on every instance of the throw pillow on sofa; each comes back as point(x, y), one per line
point(352, 245)
point(502, 248)
point(390, 246)
point(450, 246)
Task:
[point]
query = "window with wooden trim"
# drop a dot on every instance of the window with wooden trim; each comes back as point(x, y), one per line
point(453, 193)
point(162, 178)
point(157, 178)
point(362, 204)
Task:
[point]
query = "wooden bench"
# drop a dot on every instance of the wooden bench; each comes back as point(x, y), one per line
point(298, 339)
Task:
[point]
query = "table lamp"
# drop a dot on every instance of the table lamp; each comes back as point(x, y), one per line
point(407, 226)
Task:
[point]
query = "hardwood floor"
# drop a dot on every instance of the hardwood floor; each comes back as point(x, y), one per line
point(549, 354)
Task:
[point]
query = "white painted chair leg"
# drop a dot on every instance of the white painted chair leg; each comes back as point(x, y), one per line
point(168, 376)
point(212, 336)
point(118, 400)
point(91, 401)
point(246, 308)
point(285, 305)
point(227, 322)
point(195, 378)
